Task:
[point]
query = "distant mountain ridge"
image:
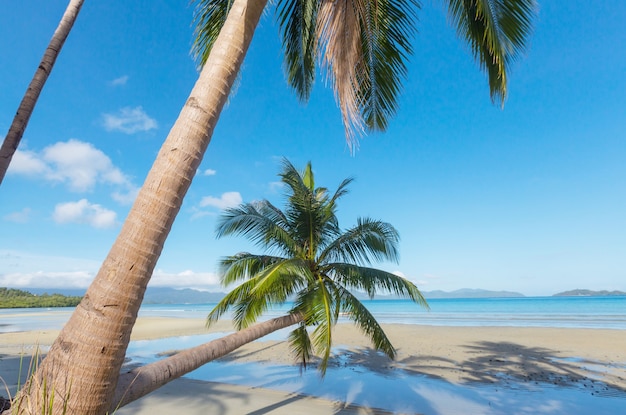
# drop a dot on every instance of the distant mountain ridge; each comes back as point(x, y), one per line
point(471, 293)
point(165, 295)
point(589, 293)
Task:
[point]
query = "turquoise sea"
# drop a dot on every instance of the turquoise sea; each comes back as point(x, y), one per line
point(574, 312)
point(397, 390)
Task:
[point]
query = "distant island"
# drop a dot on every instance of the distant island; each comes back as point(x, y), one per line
point(13, 298)
point(589, 293)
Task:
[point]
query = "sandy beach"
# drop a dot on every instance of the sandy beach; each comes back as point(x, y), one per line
point(590, 362)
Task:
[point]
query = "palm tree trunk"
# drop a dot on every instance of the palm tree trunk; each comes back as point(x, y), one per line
point(27, 106)
point(84, 362)
point(141, 381)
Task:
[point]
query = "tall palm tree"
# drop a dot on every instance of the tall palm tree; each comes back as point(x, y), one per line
point(308, 259)
point(27, 106)
point(364, 44)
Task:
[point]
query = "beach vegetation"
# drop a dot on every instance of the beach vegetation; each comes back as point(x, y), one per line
point(362, 49)
point(14, 298)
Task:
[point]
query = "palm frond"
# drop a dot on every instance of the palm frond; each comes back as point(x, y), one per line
point(339, 36)
point(209, 17)
point(272, 286)
point(357, 312)
point(258, 222)
point(300, 344)
point(369, 240)
point(327, 310)
point(243, 266)
point(372, 280)
point(497, 32)
point(297, 21)
point(235, 296)
point(386, 37)
point(311, 218)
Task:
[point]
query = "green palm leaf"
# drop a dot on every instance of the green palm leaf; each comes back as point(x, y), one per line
point(373, 280)
point(241, 266)
point(297, 20)
point(257, 222)
point(357, 312)
point(496, 31)
point(209, 17)
point(300, 344)
point(368, 241)
point(386, 37)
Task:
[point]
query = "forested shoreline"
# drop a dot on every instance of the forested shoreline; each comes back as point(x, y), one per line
point(14, 298)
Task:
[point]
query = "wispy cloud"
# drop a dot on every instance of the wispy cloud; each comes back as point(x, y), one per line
point(209, 172)
point(275, 187)
point(24, 269)
point(122, 80)
point(186, 279)
point(227, 200)
point(22, 216)
point(84, 212)
point(419, 283)
point(40, 279)
point(129, 120)
point(75, 163)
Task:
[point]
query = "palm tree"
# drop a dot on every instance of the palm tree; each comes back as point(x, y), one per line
point(308, 259)
point(27, 106)
point(364, 44)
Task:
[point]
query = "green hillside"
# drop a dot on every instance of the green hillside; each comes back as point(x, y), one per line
point(13, 298)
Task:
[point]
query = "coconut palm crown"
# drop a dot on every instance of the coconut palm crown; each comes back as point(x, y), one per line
point(311, 261)
point(362, 47)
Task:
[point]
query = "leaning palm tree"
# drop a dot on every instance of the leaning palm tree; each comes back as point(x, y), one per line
point(27, 106)
point(363, 44)
point(310, 261)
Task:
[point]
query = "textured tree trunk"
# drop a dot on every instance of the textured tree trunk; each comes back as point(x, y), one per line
point(83, 364)
point(20, 121)
point(141, 381)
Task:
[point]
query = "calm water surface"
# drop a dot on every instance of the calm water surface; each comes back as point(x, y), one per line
point(574, 312)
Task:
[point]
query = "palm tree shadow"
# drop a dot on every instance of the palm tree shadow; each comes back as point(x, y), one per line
point(196, 397)
point(508, 363)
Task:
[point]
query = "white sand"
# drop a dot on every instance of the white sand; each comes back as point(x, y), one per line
point(450, 364)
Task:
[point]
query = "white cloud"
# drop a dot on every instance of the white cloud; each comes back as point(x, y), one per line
point(27, 163)
point(129, 120)
point(186, 279)
point(41, 279)
point(85, 213)
point(19, 217)
point(209, 172)
point(81, 165)
point(119, 81)
point(227, 200)
point(23, 270)
point(126, 198)
point(76, 163)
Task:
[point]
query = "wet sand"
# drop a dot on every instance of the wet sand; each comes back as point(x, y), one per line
point(565, 358)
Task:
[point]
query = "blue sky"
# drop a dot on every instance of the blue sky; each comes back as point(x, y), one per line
point(529, 198)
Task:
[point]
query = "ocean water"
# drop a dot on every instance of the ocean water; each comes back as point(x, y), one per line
point(397, 390)
point(568, 312)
